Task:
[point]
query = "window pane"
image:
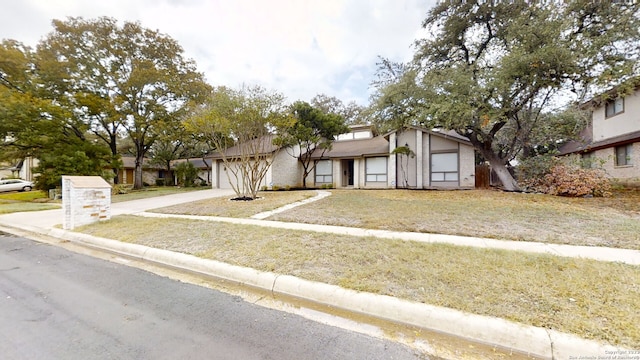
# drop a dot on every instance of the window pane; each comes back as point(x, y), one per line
point(444, 162)
point(437, 176)
point(377, 165)
point(619, 105)
point(323, 167)
point(371, 178)
point(623, 155)
point(451, 176)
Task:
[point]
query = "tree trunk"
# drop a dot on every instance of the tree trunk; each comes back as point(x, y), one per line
point(137, 176)
point(499, 166)
point(116, 173)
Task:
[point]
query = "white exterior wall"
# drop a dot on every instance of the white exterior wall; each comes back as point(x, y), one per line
point(623, 123)
point(467, 160)
point(407, 137)
point(426, 161)
point(392, 164)
point(358, 173)
point(286, 170)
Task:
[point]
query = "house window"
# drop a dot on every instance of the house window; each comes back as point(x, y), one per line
point(324, 173)
point(444, 167)
point(376, 169)
point(614, 107)
point(623, 155)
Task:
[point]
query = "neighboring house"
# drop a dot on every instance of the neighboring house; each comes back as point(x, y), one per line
point(202, 165)
point(150, 172)
point(613, 136)
point(23, 169)
point(361, 160)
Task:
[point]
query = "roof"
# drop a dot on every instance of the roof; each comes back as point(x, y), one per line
point(87, 181)
point(198, 163)
point(585, 144)
point(447, 134)
point(264, 143)
point(378, 145)
point(612, 93)
point(129, 162)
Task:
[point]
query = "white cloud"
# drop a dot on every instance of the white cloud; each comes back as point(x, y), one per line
point(298, 47)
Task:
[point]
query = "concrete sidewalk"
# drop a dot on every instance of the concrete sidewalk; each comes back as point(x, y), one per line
point(539, 342)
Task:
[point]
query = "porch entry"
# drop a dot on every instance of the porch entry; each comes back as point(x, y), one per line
point(346, 167)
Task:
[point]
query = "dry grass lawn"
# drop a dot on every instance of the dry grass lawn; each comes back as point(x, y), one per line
point(595, 300)
point(613, 222)
point(152, 191)
point(223, 206)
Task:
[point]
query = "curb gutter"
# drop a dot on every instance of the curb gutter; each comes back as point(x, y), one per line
point(530, 340)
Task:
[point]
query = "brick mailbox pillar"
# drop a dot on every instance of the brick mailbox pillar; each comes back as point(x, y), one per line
point(85, 200)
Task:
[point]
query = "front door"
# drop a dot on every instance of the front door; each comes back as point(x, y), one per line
point(347, 172)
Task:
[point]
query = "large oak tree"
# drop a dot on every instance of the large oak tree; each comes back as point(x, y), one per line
point(490, 70)
point(121, 80)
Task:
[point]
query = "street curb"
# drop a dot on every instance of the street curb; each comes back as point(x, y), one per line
point(530, 340)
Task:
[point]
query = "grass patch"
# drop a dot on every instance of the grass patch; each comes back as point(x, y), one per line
point(223, 206)
point(6, 208)
point(594, 300)
point(25, 201)
point(148, 192)
point(613, 222)
point(23, 196)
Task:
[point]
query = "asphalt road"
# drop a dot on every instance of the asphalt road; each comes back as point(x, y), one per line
point(57, 304)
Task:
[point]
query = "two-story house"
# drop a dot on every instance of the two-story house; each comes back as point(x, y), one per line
point(613, 137)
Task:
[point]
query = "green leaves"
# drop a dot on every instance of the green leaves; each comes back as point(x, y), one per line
point(495, 71)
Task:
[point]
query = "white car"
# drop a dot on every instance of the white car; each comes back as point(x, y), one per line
point(15, 185)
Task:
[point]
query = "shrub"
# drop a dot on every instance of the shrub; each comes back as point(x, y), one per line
point(186, 173)
point(119, 189)
point(551, 175)
point(566, 180)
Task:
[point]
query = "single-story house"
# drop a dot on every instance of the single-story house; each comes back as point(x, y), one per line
point(360, 159)
point(202, 165)
point(612, 139)
point(285, 169)
point(152, 172)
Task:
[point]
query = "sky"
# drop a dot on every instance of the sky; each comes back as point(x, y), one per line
point(299, 48)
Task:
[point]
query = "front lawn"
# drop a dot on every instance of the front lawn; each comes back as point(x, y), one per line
point(153, 191)
point(594, 300)
point(613, 222)
point(223, 206)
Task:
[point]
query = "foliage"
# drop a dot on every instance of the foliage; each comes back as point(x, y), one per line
point(309, 131)
point(566, 180)
point(120, 189)
point(239, 125)
point(186, 173)
point(495, 71)
point(78, 159)
point(352, 113)
point(405, 153)
point(550, 175)
point(119, 79)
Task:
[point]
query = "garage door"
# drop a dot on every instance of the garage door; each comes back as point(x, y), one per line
point(223, 179)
